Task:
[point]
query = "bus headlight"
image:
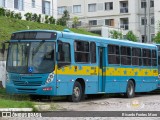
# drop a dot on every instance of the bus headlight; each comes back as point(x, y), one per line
point(50, 78)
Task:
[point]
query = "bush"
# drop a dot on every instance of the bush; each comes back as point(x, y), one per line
point(46, 19)
point(8, 13)
point(2, 12)
point(52, 20)
point(35, 17)
point(28, 16)
point(18, 16)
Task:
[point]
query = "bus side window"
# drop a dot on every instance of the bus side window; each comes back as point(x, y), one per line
point(64, 55)
point(82, 52)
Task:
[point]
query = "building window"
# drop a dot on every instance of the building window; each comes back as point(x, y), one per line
point(76, 8)
point(2, 3)
point(152, 37)
point(124, 23)
point(108, 6)
point(143, 21)
point(33, 4)
point(109, 22)
point(144, 38)
point(93, 22)
point(61, 10)
point(152, 3)
point(18, 4)
point(46, 7)
point(123, 7)
point(143, 4)
point(91, 7)
point(152, 20)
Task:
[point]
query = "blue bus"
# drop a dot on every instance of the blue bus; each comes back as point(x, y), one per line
point(158, 46)
point(63, 63)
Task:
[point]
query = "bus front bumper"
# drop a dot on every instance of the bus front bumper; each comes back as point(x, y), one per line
point(37, 90)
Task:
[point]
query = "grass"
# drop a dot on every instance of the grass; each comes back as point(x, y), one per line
point(9, 25)
point(15, 101)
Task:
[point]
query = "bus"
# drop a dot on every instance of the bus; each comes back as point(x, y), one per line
point(158, 46)
point(63, 63)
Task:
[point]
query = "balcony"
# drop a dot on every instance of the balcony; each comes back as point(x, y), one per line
point(124, 10)
point(124, 26)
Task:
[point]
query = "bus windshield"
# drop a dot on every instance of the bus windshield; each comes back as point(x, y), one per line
point(31, 57)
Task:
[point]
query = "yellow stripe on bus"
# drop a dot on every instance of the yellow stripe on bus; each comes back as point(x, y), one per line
point(107, 71)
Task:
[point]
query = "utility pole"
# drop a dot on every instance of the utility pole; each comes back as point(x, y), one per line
point(149, 23)
point(145, 21)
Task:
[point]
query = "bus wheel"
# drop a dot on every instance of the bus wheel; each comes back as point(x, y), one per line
point(77, 93)
point(130, 92)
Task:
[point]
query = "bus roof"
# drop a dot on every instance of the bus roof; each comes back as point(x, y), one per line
point(77, 36)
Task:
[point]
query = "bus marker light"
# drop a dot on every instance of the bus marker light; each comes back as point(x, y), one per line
point(47, 89)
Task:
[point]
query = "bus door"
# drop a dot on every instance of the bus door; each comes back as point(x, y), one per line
point(101, 61)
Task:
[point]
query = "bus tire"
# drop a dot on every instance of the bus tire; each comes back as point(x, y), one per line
point(130, 92)
point(77, 93)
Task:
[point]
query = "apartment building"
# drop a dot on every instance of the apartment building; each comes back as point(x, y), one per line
point(123, 15)
point(46, 7)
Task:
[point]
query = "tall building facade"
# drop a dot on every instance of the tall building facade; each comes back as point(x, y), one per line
point(46, 7)
point(124, 15)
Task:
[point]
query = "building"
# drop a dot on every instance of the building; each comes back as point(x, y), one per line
point(46, 7)
point(124, 15)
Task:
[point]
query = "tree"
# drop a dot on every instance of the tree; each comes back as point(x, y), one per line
point(115, 34)
point(131, 36)
point(75, 22)
point(63, 20)
point(156, 39)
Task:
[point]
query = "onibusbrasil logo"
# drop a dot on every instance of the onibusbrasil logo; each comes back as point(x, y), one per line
point(135, 104)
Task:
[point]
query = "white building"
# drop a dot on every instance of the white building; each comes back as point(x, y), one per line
point(123, 15)
point(46, 7)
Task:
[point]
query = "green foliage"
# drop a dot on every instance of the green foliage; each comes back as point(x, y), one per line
point(39, 18)
point(63, 20)
point(14, 101)
point(75, 22)
point(2, 11)
point(52, 20)
point(115, 34)
point(156, 39)
point(34, 17)
point(8, 13)
point(131, 36)
point(9, 25)
point(18, 16)
point(12, 14)
point(28, 16)
point(46, 19)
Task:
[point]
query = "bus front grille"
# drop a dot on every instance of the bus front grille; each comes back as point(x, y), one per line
point(27, 91)
point(27, 83)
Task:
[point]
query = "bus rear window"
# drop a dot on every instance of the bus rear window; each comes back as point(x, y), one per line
point(34, 36)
